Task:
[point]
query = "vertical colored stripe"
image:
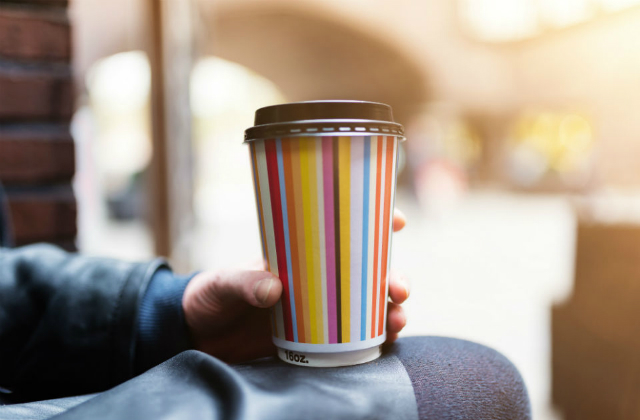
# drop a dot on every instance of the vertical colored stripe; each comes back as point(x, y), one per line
point(336, 217)
point(385, 239)
point(308, 236)
point(256, 183)
point(322, 239)
point(327, 168)
point(297, 314)
point(366, 156)
point(356, 228)
point(380, 226)
point(345, 236)
point(272, 263)
point(265, 246)
point(393, 206)
point(371, 236)
point(376, 249)
point(305, 334)
point(315, 242)
point(285, 226)
point(278, 230)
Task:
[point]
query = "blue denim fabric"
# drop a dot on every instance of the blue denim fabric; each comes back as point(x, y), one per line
point(458, 379)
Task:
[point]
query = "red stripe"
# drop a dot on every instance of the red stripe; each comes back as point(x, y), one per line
point(376, 236)
point(293, 237)
point(278, 229)
point(385, 233)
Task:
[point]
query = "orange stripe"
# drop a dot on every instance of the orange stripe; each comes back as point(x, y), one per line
point(385, 232)
point(293, 238)
point(376, 236)
point(265, 252)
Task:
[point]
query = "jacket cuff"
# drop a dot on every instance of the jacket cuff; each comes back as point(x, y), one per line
point(124, 331)
point(161, 329)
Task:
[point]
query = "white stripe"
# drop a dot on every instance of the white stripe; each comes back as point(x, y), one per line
point(357, 167)
point(323, 250)
point(269, 234)
point(372, 218)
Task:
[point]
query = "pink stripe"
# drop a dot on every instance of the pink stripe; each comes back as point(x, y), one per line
point(327, 170)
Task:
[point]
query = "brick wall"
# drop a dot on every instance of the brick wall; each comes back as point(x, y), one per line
point(36, 104)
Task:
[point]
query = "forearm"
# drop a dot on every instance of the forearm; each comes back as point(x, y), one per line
point(67, 322)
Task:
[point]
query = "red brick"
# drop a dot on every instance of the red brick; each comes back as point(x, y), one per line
point(42, 214)
point(36, 154)
point(32, 33)
point(35, 92)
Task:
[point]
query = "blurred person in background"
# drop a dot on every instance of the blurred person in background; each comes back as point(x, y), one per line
point(72, 325)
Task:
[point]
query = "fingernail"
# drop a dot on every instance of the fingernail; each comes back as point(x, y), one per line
point(407, 288)
point(262, 288)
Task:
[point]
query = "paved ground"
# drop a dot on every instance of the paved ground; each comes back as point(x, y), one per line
point(487, 269)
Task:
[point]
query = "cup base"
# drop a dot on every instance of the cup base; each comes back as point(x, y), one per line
point(346, 358)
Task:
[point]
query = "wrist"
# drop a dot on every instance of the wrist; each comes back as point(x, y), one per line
point(161, 328)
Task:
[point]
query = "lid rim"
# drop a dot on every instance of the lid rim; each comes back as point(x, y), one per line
point(401, 137)
point(344, 127)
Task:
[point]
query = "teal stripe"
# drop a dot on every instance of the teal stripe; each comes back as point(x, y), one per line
point(365, 237)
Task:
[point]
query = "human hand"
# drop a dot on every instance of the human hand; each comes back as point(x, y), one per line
point(227, 312)
point(399, 290)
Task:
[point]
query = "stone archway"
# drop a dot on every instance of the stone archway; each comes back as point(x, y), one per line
point(313, 54)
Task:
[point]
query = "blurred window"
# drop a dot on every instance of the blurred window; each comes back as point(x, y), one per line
point(547, 144)
point(112, 133)
point(512, 20)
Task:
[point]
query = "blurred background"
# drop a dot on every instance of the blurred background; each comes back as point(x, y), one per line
point(520, 176)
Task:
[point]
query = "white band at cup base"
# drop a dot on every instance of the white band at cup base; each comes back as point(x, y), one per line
point(329, 355)
point(329, 348)
point(347, 358)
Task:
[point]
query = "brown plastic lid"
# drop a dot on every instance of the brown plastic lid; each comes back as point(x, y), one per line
point(325, 118)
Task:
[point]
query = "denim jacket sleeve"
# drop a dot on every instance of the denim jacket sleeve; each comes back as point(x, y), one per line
point(67, 322)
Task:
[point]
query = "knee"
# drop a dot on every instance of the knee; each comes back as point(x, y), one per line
point(459, 379)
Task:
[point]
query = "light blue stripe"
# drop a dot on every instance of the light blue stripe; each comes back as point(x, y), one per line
point(365, 237)
point(285, 222)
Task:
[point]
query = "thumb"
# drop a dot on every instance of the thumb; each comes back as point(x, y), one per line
point(258, 288)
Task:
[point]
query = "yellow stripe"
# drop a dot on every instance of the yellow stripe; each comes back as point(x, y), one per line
point(296, 150)
point(305, 151)
point(344, 150)
point(316, 285)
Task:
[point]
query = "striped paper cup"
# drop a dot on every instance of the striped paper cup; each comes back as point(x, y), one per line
point(325, 207)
